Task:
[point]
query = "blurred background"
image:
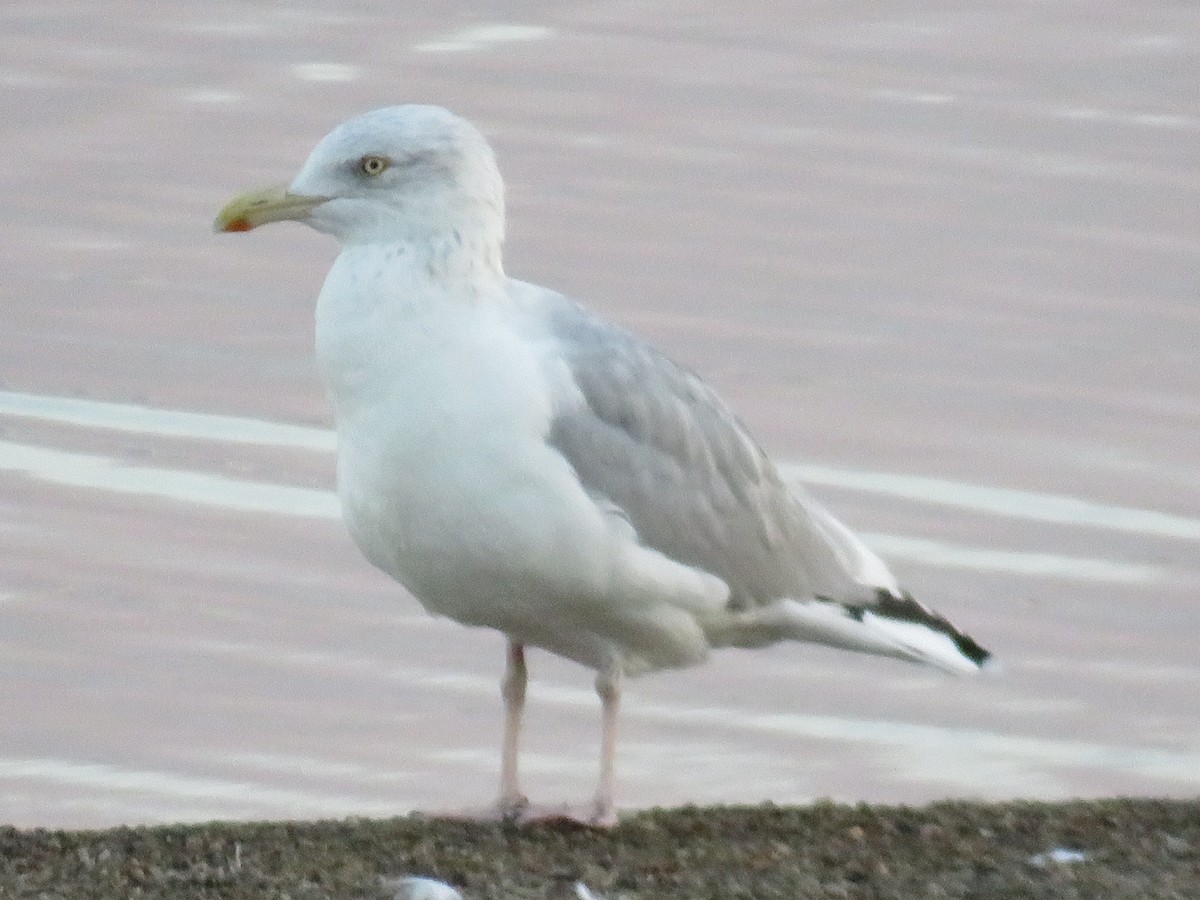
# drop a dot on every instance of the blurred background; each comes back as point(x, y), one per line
point(940, 257)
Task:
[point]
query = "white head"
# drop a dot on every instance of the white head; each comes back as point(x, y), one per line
point(404, 174)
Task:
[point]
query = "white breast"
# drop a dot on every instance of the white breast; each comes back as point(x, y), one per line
point(442, 410)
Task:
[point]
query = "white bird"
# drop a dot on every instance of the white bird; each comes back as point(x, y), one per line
point(518, 463)
point(415, 887)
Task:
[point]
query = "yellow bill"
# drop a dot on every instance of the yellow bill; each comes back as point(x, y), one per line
point(273, 204)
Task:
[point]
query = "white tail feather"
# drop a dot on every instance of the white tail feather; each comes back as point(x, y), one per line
point(828, 622)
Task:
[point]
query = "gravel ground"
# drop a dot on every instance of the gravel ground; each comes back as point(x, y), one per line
point(1103, 849)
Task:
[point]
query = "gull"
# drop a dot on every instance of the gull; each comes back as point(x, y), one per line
point(415, 887)
point(519, 463)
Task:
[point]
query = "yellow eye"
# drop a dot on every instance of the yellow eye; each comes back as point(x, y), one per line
point(373, 165)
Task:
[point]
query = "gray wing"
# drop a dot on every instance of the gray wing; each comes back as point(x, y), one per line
point(655, 441)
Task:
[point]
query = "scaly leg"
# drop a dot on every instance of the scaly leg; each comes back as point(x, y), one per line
point(608, 686)
point(512, 802)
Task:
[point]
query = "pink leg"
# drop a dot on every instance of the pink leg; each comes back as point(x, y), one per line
point(608, 686)
point(512, 802)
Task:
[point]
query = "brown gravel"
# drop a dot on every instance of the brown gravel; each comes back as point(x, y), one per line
point(1131, 849)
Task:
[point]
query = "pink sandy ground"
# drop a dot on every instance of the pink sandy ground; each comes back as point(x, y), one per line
point(906, 238)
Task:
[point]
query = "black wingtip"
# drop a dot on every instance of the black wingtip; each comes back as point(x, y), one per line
point(907, 608)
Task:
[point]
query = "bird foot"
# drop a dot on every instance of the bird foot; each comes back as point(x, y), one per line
point(511, 809)
point(595, 816)
point(519, 811)
point(603, 816)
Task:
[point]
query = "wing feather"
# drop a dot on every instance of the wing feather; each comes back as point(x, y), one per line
point(651, 438)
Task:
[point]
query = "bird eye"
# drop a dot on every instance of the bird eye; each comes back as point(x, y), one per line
point(373, 165)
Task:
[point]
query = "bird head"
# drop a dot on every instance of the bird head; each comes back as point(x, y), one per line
point(399, 174)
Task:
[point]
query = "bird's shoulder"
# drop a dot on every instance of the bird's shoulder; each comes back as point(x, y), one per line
point(628, 393)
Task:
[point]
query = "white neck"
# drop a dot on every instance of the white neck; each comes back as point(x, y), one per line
point(464, 255)
point(384, 307)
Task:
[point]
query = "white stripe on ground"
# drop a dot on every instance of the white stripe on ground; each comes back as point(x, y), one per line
point(229, 794)
point(208, 489)
point(308, 767)
point(1000, 501)
point(923, 489)
point(1042, 565)
point(165, 422)
point(202, 488)
point(483, 37)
